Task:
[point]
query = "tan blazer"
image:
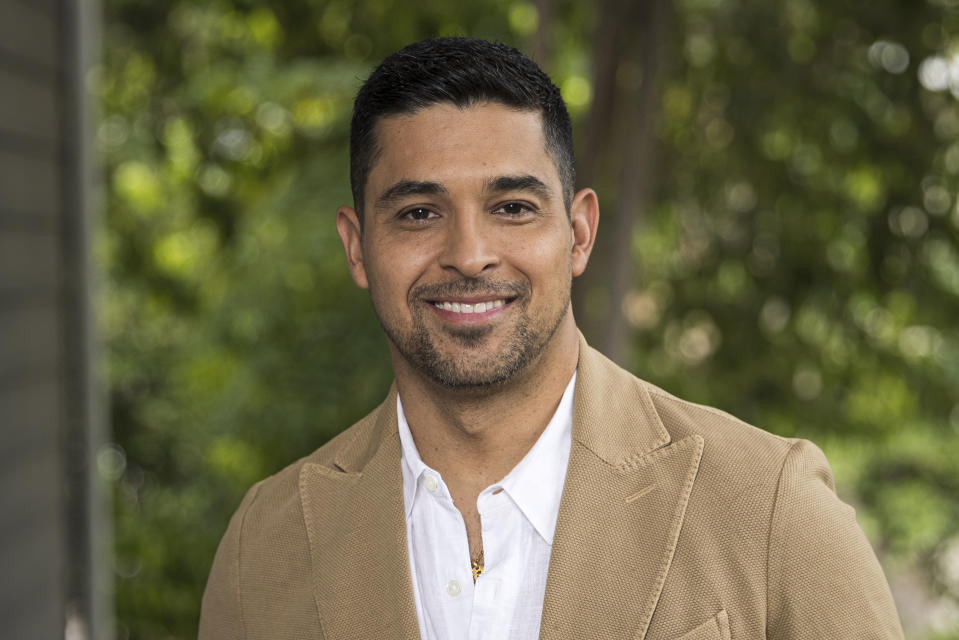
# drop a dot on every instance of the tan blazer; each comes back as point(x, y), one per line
point(677, 522)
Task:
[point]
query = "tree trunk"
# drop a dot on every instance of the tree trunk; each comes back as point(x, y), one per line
point(541, 42)
point(602, 288)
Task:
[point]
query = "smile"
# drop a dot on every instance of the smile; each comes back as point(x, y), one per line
point(463, 307)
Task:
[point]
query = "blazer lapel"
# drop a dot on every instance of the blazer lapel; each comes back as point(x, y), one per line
point(361, 575)
point(622, 508)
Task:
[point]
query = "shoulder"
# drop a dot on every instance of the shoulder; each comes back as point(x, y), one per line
point(264, 556)
point(773, 481)
point(741, 470)
point(740, 466)
point(280, 492)
point(725, 436)
point(271, 513)
point(746, 477)
point(621, 414)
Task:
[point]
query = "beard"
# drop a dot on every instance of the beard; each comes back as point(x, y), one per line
point(464, 366)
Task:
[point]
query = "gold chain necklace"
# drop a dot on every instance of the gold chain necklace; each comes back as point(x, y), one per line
point(477, 565)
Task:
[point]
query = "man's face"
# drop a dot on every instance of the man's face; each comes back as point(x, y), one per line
point(467, 249)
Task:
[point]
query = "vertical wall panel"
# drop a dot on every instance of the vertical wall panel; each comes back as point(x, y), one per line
point(46, 481)
point(28, 110)
point(28, 32)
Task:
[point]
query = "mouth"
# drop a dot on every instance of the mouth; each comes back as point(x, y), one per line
point(470, 303)
point(472, 307)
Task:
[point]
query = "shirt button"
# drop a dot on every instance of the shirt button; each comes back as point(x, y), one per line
point(453, 588)
point(431, 486)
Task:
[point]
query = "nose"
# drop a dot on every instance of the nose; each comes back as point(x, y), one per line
point(468, 247)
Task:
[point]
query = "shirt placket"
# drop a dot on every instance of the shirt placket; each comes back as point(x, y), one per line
point(452, 586)
point(488, 621)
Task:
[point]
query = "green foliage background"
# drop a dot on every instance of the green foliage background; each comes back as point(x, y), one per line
point(797, 264)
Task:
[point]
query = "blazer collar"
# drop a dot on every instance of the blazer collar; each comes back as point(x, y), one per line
point(357, 534)
point(622, 509)
point(613, 414)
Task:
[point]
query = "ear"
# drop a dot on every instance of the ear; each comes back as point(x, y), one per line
point(583, 216)
point(348, 227)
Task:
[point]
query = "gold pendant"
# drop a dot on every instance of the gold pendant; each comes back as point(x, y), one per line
point(477, 566)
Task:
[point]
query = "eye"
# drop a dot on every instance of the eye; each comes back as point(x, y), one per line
point(418, 214)
point(514, 209)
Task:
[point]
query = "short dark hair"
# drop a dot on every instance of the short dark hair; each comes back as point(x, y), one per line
point(462, 72)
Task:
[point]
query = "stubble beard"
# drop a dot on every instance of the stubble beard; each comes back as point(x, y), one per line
point(464, 369)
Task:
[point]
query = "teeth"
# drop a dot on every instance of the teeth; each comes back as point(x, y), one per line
point(479, 307)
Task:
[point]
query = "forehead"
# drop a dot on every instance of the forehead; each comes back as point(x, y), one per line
point(445, 143)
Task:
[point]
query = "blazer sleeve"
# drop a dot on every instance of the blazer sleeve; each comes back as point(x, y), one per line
point(823, 579)
point(221, 613)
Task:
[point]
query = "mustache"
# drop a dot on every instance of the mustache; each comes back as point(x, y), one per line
point(471, 286)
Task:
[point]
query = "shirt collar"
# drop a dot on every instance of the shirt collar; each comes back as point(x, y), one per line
point(535, 484)
point(413, 466)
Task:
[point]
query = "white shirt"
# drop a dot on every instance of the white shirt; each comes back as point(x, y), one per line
point(506, 602)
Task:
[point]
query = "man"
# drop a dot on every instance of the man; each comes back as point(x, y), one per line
point(515, 483)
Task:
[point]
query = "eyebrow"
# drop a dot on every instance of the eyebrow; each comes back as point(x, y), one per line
point(499, 184)
point(519, 183)
point(406, 188)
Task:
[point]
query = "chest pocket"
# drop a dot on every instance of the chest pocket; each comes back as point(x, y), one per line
point(716, 628)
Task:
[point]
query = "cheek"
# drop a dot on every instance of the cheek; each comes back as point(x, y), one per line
point(546, 262)
point(393, 269)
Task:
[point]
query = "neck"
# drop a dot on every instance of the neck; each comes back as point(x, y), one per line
point(476, 436)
